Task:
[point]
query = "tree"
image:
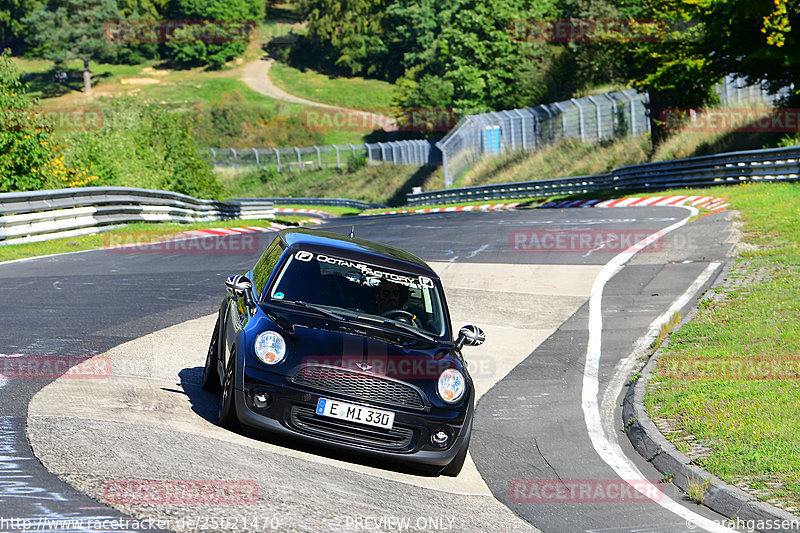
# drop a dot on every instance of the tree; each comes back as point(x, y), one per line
point(214, 42)
point(12, 13)
point(74, 29)
point(348, 33)
point(479, 59)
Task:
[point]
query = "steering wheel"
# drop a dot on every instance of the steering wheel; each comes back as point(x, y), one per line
point(401, 315)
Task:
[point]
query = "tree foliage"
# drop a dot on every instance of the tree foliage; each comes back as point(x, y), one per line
point(63, 30)
point(144, 145)
point(30, 156)
point(12, 14)
point(187, 48)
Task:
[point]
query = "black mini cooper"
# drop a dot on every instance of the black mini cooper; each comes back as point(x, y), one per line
point(347, 343)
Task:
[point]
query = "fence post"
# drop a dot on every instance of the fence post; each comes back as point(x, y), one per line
point(355, 156)
point(581, 123)
point(319, 157)
point(550, 118)
point(369, 152)
point(338, 159)
point(598, 118)
point(214, 155)
point(235, 160)
point(278, 155)
point(255, 151)
point(563, 119)
point(633, 113)
point(522, 128)
point(299, 159)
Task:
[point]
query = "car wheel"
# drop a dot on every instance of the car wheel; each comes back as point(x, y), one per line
point(227, 404)
point(210, 380)
point(457, 463)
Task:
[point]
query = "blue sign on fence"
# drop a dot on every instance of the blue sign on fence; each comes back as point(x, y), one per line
point(491, 139)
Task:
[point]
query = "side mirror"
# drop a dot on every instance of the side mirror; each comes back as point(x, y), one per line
point(471, 336)
point(239, 287)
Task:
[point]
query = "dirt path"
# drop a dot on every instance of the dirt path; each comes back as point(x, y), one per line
point(256, 76)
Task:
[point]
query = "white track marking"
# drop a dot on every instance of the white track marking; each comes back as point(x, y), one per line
point(613, 455)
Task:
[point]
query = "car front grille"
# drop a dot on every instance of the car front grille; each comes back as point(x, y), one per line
point(395, 439)
point(359, 385)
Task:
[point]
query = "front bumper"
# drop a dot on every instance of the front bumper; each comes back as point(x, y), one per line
point(291, 412)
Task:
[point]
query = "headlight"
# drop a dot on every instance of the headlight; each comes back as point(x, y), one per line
point(451, 385)
point(270, 347)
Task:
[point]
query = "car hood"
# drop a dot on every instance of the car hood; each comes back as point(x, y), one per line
point(357, 348)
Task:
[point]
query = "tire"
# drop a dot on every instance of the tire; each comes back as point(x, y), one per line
point(227, 416)
point(210, 381)
point(454, 468)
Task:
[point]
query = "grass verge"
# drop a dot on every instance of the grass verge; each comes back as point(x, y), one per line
point(138, 232)
point(728, 383)
point(352, 93)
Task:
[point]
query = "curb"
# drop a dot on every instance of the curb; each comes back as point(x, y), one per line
point(706, 202)
point(317, 213)
point(711, 203)
point(483, 207)
point(727, 500)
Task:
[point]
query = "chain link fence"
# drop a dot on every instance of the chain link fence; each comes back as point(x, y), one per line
point(589, 119)
point(296, 158)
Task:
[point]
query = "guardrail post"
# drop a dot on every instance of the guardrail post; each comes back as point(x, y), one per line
point(278, 156)
point(299, 159)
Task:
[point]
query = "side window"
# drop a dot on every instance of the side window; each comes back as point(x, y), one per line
point(266, 265)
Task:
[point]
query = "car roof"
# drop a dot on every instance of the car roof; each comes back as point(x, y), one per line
point(355, 249)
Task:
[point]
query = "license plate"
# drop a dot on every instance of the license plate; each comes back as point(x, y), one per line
point(355, 413)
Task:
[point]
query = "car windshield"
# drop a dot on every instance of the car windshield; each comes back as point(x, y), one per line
point(357, 289)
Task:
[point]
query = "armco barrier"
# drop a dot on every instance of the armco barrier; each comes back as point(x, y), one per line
point(42, 215)
point(336, 202)
point(774, 164)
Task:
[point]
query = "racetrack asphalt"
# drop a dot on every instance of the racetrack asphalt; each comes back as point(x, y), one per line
point(528, 426)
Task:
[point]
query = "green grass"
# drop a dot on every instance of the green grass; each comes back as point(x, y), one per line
point(352, 93)
point(138, 232)
point(384, 184)
point(749, 418)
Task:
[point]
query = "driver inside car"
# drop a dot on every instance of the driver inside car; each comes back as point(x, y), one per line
point(390, 296)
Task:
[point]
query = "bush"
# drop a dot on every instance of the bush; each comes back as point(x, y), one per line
point(144, 145)
point(30, 156)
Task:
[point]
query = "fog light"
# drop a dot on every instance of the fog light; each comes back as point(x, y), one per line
point(440, 438)
point(261, 400)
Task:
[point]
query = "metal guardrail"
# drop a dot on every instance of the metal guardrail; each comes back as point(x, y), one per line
point(42, 215)
point(337, 202)
point(775, 164)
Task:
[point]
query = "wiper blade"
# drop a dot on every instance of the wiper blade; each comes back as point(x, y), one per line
point(404, 327)
point(318, 309)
